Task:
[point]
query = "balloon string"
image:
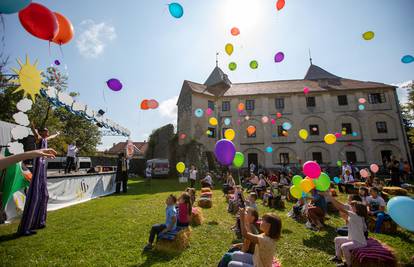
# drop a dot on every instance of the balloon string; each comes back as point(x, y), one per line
point(61, 51)
point(103, 95)
point(50, 54)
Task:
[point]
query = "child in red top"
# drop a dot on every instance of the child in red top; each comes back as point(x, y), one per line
point(184, 210)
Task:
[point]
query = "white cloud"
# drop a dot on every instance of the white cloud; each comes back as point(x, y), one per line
point(168, 108)
point(94, 37)
point(406, 84)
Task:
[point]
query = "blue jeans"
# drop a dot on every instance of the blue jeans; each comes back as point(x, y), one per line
point(241, 259)
point(381, 217)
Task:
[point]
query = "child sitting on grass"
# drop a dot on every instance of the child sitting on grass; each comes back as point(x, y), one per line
point(251, 201)
point(184, 210)
point(356, 226)
point(265, 243)
point(170, 222)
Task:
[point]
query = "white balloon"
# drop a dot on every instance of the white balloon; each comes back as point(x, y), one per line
point(65, 98)
point(77, 106)
point(19, 132)
point(21, 118)
point(15, 147)
point(51, 92)
point(24, 105)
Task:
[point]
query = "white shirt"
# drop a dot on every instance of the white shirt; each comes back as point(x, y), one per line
point(72, 150)
point(375, 203)
point(208, 179)
point(356, 227)
point(252, 167)
point(348, 178)
point(148, 172)
point(193, 174)
point(344, 168)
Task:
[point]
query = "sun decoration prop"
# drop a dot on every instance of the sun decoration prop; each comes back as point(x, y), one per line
point(29, 78)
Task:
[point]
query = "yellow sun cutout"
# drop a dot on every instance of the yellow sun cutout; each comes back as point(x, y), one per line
point(30, 78)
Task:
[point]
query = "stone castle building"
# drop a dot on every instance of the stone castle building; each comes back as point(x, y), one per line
point(331, 106)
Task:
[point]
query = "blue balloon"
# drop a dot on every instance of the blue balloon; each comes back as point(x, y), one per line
point(269, 149)
point(199, 113)
point(407, 59)
point(361, 107)
point(176, 10)
point(337, 180)
point(354, 134)
point(274, 135)
point(227, 121)
point(286, 125)
point(401, 210)
point(13, 6)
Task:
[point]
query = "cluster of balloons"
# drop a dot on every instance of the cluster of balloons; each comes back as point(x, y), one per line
point(315, 179)
point(176, 10)
point(39, 21)
point(114, 84)
point(149, 104)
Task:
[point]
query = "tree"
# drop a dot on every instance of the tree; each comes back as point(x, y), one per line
point(407, 112)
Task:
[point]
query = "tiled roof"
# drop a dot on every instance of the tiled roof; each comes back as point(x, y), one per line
point(293, 86)
point(120, 147)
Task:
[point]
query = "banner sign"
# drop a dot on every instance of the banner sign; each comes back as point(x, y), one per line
point(67, 191)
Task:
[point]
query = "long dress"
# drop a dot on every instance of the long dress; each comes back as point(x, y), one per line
point(35, 208)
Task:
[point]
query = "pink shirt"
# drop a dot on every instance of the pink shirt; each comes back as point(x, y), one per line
point(183, 216)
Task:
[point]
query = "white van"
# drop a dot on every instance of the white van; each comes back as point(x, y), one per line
point(160, 167)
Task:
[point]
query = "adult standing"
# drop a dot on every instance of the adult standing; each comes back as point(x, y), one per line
point(252, 167)
point(121, 173)
point(35, 208)
point(193, 176)
point(71, 156)
point(394, 167)
point(148, 172)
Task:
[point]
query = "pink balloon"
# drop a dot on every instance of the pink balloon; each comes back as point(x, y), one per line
point(273, 121)
point(364, 173)
point(362, 100)
point(306, 90)
point(374, 168)
point(312, 169)
point(209, 111)
point(337, 135)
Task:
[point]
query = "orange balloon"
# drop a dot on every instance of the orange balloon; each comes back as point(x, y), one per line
point(241, 107)
point(280, 4)
point(235, 31)
point(251, 130)
point(65, 30)
point(144, 104)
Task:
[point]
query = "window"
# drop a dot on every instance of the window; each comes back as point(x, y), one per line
point(280, 130)
point(310, 101)
point(211, 105)
point(212, 132)
point(342, 100)
point(249, 104)
point(280, 103)
point(284, 158)
point(314, 129)
point(376, 98)
point(317, 156)
point(225, 106)
point(347, 128)
point(381, 127)
point(351, 157)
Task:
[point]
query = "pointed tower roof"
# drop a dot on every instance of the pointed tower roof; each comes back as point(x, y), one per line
point(317, 73)
point(218, 82)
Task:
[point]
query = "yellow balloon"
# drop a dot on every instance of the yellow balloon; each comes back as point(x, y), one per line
point(306, 185)
point(229, 134)
point(213, 121)
point(229, 49)
point(303, 134)
point(296, 191)
point(330, 139)
point(180, 167)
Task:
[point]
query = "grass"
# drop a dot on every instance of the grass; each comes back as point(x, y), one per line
point(111, 231)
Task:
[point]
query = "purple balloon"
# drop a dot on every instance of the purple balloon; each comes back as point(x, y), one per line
point(279, 57)
point(114, 84)
point(225, 152)
point(57, 62)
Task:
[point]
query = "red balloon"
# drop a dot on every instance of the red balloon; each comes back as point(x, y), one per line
point(144, 104)
point(235, 31)
point(280, 4)
point(39, 21)
point(65, 30)
point(152, 104)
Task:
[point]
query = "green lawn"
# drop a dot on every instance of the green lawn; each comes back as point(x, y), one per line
point(112, 231)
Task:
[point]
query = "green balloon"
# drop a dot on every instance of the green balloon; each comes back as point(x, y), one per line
point(323, 182)
point(339, 163)
point(238, 160)
point(254, 64)
point(296, 180)
point(232, 66)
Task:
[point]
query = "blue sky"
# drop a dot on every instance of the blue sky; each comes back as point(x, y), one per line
point(152, 53)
